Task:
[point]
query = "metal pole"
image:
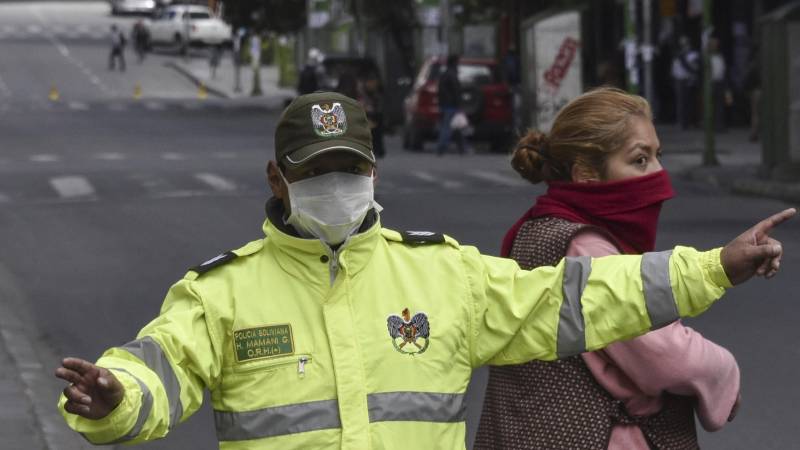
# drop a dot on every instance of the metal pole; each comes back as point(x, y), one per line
point(709, 153)
point(445, 24)
point(647, 52)
point(631, 47)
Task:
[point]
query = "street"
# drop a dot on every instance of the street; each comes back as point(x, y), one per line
point(105, 201)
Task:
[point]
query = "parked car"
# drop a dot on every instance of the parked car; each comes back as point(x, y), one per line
point(119, 7)
point(486, 99)
point(187, 25)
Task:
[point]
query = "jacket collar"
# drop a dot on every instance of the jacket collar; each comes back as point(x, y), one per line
point(309, 259)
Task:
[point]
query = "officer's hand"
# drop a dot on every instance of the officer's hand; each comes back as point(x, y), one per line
point(754, 252)
point(93, 391)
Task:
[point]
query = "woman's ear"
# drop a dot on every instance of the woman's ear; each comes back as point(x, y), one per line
point(581, 173)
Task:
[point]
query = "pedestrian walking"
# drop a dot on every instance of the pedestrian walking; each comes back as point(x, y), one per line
point(141, 39)
point(214, 59)
point(606, 186)
point(236, 50)
point(752, 85)
point(332, 332)
point(117, 49)
point(449, 95)
point(686, 78)
point(720, 92)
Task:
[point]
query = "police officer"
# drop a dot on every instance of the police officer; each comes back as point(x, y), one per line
point(333, 332)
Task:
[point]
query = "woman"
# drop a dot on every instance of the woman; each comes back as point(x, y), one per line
point(605, 190)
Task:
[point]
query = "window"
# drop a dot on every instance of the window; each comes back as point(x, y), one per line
point(196, 15)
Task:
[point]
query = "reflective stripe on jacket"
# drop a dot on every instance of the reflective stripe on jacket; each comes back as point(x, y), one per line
point(373, 347)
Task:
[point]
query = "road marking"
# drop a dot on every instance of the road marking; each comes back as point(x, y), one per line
point(34, 29)
point(110, 156)
point(192, 106)
point(427, 177)
point(224, 155)
point(498, 178)
point(117, 107)
point(171, 156)
point(44, 158)
point(4, 90)
point(50, 36)
point(155, 106)
point(78, 106)
point(72, 186)
point(217, 182)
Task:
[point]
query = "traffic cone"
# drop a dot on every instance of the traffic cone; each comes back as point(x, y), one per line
point(137, 91)
point(54, 95)
point(202, 92)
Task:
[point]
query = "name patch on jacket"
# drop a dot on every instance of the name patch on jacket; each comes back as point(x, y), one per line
point(263, 342)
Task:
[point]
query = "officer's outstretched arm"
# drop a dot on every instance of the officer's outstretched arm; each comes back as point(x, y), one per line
point(160, 376)
point(584, 304)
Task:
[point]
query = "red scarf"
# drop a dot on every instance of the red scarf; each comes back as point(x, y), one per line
point(628, 209)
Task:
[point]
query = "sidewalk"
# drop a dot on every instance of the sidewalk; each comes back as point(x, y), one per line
point(739, 160)
point(198, 71)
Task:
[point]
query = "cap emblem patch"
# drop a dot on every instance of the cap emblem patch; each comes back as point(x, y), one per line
point(410, 335)
point(329, 119)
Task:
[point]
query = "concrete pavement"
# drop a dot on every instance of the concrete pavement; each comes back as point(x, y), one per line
point(223, 82)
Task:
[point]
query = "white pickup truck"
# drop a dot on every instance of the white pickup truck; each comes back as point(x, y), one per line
point(187, 25)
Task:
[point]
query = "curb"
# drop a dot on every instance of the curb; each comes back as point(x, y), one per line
point(743, 180)
point(196, 80)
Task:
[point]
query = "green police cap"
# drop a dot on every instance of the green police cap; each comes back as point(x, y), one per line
point(320, 122)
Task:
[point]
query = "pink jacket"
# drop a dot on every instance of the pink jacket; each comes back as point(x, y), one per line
point(672, 359)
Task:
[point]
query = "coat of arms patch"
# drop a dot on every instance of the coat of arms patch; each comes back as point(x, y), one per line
point(410, 335)
point(329, 119)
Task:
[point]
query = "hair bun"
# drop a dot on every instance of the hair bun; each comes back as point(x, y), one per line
point(529, 157)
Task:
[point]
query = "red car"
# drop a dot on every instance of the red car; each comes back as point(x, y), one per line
point(486, 99)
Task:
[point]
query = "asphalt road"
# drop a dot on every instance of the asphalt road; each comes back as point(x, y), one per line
point(106, 201)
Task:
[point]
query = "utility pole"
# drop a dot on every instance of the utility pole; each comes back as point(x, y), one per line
point(445, 24)
point(709, 153)
point(631, 47)
point(647, 52)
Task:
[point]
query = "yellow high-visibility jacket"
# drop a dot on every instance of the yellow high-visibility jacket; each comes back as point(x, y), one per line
point(373, 347)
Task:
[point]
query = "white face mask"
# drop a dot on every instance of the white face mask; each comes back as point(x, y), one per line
point(330, 207)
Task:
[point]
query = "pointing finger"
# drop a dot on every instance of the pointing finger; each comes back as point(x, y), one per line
point(765, 226)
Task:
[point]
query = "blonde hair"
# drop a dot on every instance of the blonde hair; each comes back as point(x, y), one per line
point(586, 131)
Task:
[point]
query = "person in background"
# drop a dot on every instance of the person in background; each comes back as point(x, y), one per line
point(752, 84)
point(372, 100)
point(606, 186)
point(141, 39)
point(214, 59)
point(722, 96)
point(686, 76)
point(117, 49)
point(308, 81)
point(348, 85)
point(449, 92)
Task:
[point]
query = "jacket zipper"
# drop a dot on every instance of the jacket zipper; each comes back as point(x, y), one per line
point(334, 265)
point(301, 362)
point(301, 365)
